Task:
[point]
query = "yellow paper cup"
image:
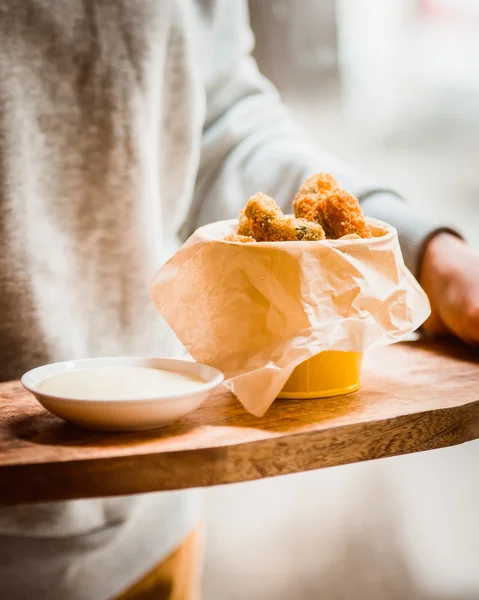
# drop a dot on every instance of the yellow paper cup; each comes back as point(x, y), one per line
point(327, 374)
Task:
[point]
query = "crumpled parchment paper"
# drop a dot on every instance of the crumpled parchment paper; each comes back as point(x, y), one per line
point(255, 311)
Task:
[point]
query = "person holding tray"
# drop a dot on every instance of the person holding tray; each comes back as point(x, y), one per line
point(123, 127)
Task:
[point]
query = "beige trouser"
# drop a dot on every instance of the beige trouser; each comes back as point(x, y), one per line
point(175, 578)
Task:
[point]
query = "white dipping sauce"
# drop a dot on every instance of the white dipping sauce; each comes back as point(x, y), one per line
point(114, 383)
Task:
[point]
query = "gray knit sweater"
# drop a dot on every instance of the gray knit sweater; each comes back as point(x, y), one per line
point(124, 126)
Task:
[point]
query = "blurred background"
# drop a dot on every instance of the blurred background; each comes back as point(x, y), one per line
point(393, 87)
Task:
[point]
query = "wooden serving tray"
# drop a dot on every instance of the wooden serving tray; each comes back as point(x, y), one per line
point(415, 396)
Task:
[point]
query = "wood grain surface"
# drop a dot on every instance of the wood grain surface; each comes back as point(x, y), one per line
point(415, 396)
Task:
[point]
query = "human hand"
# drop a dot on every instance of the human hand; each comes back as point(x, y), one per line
point(450, 277)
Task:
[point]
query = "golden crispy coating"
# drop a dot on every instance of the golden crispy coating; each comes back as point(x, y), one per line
point(286, 229)
point(268, 224)
point(309, 201)
point(342, 215)
point(321, 183)
point(320, 199)
point(243, 224)
point(261, 210)
point(290, 229)
point(306, 206)
point(239, 239)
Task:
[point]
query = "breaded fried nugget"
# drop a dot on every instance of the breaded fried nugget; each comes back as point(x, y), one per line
point(243, 224)
point(268, 224)
point(311, 196)
point(239, 239)
point(320, 199)
point(290, 229)
point(320, 183)
point(306, 206)
point(341, 215)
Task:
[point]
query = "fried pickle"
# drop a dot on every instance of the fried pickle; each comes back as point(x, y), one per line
point(321, 183)
point(306, 206)
point(321, 200)
point(341, 215)
point(309, 201)
point(243, 225)
point(268, 224)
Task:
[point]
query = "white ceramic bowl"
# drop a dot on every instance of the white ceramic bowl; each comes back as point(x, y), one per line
point(124, 414)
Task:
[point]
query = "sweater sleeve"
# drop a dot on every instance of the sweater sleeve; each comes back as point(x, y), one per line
point(251, 143)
